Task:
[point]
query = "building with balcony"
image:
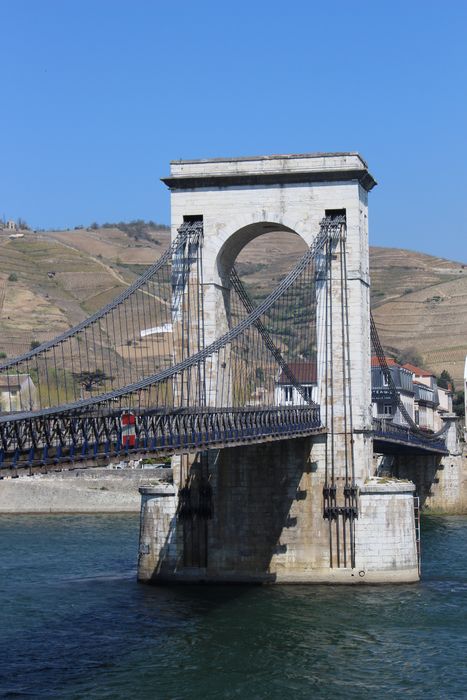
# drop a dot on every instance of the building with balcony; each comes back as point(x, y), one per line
point(381, 395)
point(424, 400)
point(425, 404)
point(431, 401)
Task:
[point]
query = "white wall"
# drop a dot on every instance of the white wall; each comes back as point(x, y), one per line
point(296, 399)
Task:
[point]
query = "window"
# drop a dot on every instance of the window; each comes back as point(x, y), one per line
point(307, 390)
point(288, 393)
point(334, 213)
point(387, 409)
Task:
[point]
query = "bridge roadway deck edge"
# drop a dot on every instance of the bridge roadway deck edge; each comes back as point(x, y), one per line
point(380, 442)
point(84, 462)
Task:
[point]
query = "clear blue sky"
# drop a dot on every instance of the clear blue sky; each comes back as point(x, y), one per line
point(98, 96)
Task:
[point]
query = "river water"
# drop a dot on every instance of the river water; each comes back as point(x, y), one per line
point(75, 624)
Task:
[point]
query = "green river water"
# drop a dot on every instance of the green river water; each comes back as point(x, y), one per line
point(75, 624)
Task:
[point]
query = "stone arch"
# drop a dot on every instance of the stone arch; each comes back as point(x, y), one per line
point(239, 239)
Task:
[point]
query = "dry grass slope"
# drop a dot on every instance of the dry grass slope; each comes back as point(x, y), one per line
point(58, 277)
point(418, 300)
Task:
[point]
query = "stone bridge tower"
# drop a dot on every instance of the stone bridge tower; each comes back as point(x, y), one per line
point(242, 198)
point(268, 522)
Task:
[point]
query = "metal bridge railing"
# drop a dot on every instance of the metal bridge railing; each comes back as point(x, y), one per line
point(106, 436)
point(387, 429)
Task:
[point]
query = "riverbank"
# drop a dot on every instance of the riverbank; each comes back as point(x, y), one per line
point(92, 490)
point(103, 490)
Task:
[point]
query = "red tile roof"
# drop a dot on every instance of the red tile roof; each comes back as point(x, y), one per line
point(417, 370)
point(389, 360)
point(304, 372)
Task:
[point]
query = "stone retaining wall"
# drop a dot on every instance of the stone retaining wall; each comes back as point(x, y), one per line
point(78, 491)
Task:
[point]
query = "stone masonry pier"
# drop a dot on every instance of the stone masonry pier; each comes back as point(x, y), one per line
point(259, 514)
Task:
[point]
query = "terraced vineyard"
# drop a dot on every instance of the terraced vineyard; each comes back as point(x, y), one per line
point(420, 302)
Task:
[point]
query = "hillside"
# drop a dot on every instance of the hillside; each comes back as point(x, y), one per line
point(53, 279)
point(420, 302)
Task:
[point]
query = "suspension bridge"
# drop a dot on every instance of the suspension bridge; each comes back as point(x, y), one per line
point(185, 362)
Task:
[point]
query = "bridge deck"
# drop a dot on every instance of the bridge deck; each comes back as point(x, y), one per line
point(101, 437)
point(389, 438)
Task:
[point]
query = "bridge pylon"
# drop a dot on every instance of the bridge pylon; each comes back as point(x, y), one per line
point(291, 510)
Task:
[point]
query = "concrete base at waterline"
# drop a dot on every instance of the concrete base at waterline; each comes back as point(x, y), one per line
point(385, 544)
point(385, 535)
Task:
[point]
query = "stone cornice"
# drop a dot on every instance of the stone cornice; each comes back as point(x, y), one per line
point(191, 182)
point(275, 170)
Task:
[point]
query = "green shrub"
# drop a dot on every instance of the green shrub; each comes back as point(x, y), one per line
point(12, 277)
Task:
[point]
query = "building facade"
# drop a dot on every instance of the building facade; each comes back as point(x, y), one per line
point(424, 400)
point(286, 394)
point(383, 405)
point(17, 393)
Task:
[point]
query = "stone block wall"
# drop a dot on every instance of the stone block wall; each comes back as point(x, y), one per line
point(267, 524)
point(91, 490)
point(158, 552)
point(441, 482)
point(386, 547)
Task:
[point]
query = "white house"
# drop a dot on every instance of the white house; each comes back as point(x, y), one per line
point(286, 394)
point(424, 400)
point(428, 397)
point(17, 393)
